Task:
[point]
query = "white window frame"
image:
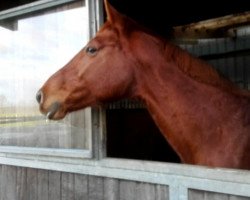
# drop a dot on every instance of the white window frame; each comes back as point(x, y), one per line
point(52, 154)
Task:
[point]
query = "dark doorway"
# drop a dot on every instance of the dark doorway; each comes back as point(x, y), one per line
point(131, 133)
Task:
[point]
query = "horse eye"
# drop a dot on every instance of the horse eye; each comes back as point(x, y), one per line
point(91, 50)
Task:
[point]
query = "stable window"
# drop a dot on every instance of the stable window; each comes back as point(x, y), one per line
point(131, 133)
point(36, 40)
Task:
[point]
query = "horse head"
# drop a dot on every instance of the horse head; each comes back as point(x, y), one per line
point(100, 72)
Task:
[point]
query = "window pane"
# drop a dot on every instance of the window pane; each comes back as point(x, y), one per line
point(31, 49)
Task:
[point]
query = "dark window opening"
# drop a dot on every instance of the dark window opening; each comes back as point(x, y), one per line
point(131, 133)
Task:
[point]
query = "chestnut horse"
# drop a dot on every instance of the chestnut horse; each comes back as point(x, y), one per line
point(204, 117)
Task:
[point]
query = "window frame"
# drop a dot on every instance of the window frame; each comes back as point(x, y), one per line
point(31, 7)
point(52, 154)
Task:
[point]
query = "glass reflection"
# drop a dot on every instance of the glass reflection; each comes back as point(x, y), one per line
point(31, 49)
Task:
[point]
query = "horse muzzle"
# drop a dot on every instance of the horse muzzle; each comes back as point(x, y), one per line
point(53, 111)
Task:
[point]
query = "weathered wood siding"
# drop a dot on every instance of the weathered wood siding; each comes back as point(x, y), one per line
point(17, 183)
point(230, 56)
point(203, 195)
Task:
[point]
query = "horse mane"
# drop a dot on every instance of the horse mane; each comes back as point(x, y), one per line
point(200, 70)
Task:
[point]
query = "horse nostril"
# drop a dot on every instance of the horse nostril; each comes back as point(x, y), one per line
point(39, 96)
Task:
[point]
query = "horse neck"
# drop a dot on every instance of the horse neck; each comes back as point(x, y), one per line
point(175, 87)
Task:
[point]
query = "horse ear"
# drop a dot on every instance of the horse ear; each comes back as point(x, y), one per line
point(112, 13)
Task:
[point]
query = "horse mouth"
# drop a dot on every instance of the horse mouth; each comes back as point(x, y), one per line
point(53, 111)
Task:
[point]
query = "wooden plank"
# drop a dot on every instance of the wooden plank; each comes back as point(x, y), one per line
point(204, 195)
point(21, 183)
point(161, 192)
point(54, 185)
point(196, 195)
point(67, 181)
point(8, 186)
point(218, 27)
point(111, 189)
point(127, 190)
point(42, 185)
point(145, 191)
point(215, 196)
point(238, 198)
point(32, 192)
point(96, 188)
point(81, 187)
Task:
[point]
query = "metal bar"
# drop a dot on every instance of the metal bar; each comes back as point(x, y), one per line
point(31, 7)
point(98, 137)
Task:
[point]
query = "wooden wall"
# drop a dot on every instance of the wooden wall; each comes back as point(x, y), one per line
point(17, 183)
point(203, 195)
point(230, 56)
